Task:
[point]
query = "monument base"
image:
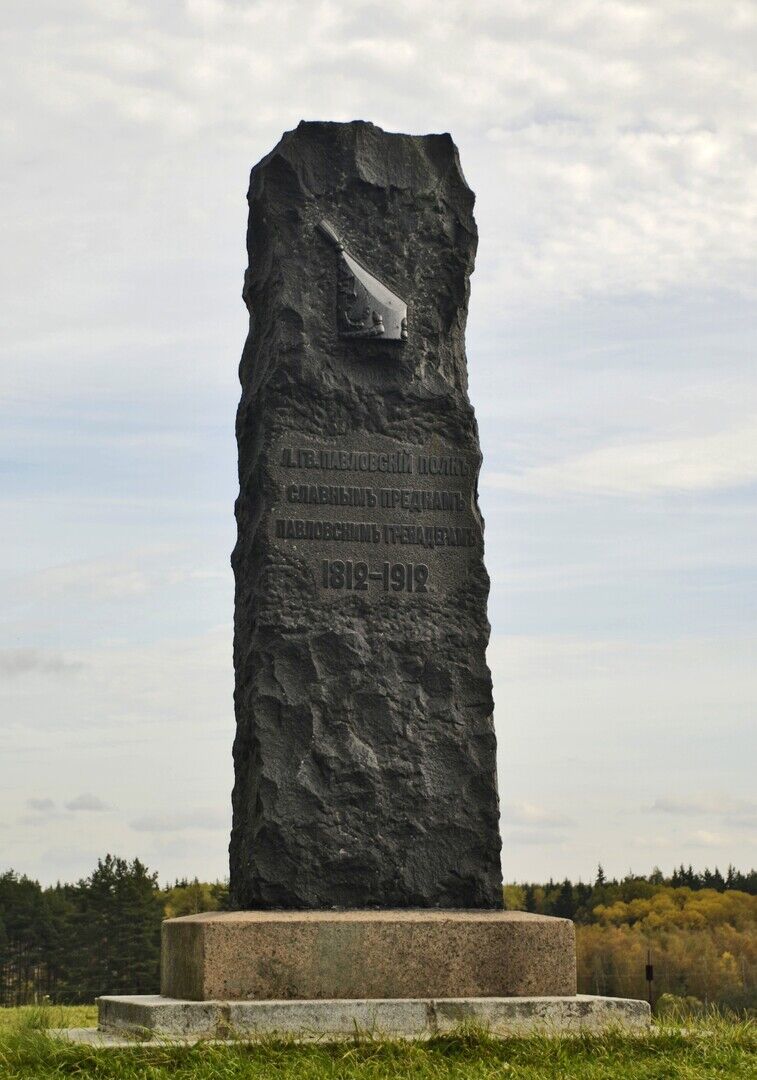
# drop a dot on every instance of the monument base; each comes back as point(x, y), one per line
point(127, 1020)
point(357, 955)
point(341, 974)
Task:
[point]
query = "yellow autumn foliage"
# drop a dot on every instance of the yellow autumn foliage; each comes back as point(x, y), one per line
point(682, 908)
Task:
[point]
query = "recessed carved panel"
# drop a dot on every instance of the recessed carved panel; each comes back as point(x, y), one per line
point(366, 307)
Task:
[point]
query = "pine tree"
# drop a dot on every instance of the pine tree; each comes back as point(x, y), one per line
point(116, 927)
point(564, 905)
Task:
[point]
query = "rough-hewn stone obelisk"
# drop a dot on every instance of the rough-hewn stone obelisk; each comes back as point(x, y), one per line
point(364, 756)
point(365, 753)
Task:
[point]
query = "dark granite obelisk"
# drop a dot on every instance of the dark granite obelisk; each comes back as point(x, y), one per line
point(365, 753)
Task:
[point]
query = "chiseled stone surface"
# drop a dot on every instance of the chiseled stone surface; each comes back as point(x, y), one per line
point(151, 1012)
point(367, 954)
point(365, 752)
point(167, 1019)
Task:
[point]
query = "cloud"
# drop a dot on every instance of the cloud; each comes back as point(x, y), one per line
point(687, 807)
point(525, 813)
point(698, 463)
point(98, 580)
point(134, 575)
point(87, 802)
point(647, 842)
point(27, 661)
point(610, 152)
point(705, 838)
point(43, 811)
point(735, 813)
point(611, 148)
point(533, 837)
point(179, 822)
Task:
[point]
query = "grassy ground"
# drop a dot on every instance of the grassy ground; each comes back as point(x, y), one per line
point(708, 1048)
point(36, 1017)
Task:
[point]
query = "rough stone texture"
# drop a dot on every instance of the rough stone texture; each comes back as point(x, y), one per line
point(164, 1015)
point(365, 752)
point(171, 1020)
point(367, 954)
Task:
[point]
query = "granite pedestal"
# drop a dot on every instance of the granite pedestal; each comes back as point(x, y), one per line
point(311, 955)
point(328, 974)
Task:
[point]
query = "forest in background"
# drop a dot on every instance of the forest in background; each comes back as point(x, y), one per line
point(70, 943)
point(698, 930)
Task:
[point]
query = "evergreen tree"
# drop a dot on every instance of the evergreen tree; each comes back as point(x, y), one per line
point(116, 926)
point(582, 896)
point(564, 904)
point(28, 935)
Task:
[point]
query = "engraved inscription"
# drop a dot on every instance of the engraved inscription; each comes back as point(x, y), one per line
point(335, 510)
point(399, 577)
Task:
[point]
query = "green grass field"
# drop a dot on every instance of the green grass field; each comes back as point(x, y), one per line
point(714, 1047)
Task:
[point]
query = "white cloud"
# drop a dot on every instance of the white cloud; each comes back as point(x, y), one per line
point(100, 579)
point(711, 804)
point(611, 146)
point(731, 813)
point(700, 463)
point(656, 841)
point(705, 838)
point(135, 574)
point(128, 692)
point(532, 837)
point(611, 729)
point(199, 818)
point(526, 813)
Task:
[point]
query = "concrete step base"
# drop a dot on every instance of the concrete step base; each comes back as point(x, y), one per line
point(129, 1020)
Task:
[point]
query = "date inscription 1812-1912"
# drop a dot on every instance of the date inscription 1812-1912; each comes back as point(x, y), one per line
point(384, 519)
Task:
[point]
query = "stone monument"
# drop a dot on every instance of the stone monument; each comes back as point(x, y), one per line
point(365, 752)
point(365, 842)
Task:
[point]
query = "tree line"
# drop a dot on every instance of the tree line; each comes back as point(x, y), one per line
point(71, 943)
point(699, 931)
point(579, 900)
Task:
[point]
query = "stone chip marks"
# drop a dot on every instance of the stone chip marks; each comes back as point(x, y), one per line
point(365, 752)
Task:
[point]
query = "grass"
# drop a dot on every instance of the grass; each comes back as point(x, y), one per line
point(712, 1047)
point(36, 1017)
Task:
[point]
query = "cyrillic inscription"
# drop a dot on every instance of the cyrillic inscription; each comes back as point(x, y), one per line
point(432, 511)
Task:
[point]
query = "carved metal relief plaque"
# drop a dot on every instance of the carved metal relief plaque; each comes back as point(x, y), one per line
point(366, 307)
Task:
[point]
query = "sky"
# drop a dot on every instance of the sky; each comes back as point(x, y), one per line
point(612, 147)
